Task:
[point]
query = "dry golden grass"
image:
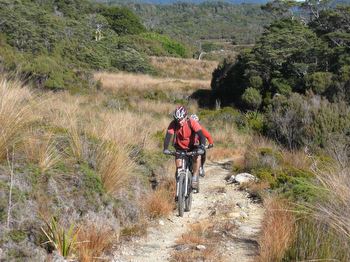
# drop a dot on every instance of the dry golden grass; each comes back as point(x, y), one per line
point(335, 209)
point(228, 135)
point(184, 68)
point(219, 153)
point(93, 241)
point(15, 113)
point(127, 82)
point(159, 203)
point(41, 149)
point(150, 106)
point(297, 159)
point(113, 165)
point(277, 232)
point(125, 127)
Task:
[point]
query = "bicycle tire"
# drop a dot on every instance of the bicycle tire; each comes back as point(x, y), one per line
point(181, 196)
point(188, 198)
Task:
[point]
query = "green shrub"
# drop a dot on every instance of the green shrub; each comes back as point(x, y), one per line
point(255, 82)
point(255, 121)
point(130, 60)
point(281, 86)
point(172, 47)
point(123, 21)
point(267, 175)
point(252, 98)
point(17, 235)
point(319, 82)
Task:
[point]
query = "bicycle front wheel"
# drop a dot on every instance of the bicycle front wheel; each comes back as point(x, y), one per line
point(188, 198)
point(181, 196)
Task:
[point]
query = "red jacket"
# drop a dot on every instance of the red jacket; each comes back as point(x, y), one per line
point(185, 136)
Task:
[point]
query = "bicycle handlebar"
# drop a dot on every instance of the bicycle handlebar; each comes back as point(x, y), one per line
point(184, 153)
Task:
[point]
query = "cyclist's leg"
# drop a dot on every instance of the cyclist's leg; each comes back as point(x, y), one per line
point(196, 164)
point(203, 158)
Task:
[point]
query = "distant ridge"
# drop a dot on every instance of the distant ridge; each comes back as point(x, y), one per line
point(166, 2)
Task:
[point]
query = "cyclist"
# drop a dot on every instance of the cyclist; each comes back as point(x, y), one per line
point(210, 141)
point(184, 130)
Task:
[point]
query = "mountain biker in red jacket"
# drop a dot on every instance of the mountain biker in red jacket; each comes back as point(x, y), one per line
point(210, 141)
point(185, 130)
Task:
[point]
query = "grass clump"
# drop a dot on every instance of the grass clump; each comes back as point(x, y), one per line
point(159, 203)
point(15, 114)
point(277, 230)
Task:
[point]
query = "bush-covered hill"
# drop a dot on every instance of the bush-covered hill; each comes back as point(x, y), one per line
point(54, 43)
point(209, 20)
point(298, 75)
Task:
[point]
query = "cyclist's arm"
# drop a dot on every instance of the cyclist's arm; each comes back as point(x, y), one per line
point(167, 139)
point(207, 135)
point(198, 129)
point(201, 137)
point(169, 133)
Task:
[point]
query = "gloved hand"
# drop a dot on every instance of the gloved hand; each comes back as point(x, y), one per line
point(166, 152)
point(210, 146)
point(201, 150)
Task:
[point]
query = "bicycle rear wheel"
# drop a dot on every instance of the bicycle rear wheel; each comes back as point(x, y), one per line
point(181, 196)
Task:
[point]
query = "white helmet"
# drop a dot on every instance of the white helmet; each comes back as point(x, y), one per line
point(180, 113)
point(195, 117)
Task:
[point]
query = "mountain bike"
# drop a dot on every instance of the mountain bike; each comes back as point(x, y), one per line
point(184, 180)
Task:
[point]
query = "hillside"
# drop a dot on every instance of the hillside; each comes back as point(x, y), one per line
point(55, 44)
point(189, 22)
point(87, 92)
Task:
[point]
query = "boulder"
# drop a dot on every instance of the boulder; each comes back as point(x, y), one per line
point(201, 247)
point(245, 178)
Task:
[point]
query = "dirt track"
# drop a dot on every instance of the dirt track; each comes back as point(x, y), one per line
point(241, 245)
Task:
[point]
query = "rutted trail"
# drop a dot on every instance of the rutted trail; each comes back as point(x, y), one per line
point(240, 244)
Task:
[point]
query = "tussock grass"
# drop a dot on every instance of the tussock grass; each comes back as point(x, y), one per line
point(157, 107)
point(41, 149)
point(324, 233)
point(297, 159)
point(335, 209)
point(118, 82)
point(184, 68)
point(15, 113)
point(277, 232)
point(159, 203)
point(93, 241)
point(113, 165)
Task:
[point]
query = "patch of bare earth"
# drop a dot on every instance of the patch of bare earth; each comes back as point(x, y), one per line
point(223, 225)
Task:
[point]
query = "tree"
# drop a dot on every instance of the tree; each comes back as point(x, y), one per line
point(123, 21)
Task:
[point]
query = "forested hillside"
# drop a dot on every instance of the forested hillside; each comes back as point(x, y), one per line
point(209, 20)
point(292, 65)
point(54, 44)
point(294, 86)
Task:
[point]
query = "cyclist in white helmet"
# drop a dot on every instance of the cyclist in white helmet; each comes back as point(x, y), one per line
point(185, 130)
